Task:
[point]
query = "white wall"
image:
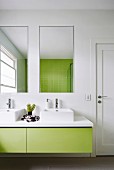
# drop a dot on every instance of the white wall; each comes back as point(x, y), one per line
point(88, 25)
point(9, 45)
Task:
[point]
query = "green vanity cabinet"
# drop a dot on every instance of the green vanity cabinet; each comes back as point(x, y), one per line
point(46, 140)
point(59, 140)
point(12, 140)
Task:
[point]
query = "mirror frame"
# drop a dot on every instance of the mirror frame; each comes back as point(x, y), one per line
point(27, 29)
point(73, 59)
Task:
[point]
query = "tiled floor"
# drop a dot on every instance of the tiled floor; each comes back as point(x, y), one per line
point(98, 163)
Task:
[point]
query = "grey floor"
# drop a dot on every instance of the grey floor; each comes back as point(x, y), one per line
point(98, 163)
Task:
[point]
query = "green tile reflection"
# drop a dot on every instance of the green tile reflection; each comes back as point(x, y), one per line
point(56, 75)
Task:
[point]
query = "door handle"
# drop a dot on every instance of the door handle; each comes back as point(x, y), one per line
point(102, 97)
point(99, 101)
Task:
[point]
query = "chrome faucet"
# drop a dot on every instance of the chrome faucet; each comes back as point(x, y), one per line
point(56, 103)
point(9, 104)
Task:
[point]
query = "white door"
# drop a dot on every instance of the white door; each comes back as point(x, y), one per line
point(105, 99)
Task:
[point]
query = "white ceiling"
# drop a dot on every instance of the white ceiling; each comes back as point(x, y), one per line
point(56, 4)
point(18, 36)
point(56, 42)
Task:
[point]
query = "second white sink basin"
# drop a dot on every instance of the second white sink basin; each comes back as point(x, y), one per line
point(11, 115)
point(57, 115)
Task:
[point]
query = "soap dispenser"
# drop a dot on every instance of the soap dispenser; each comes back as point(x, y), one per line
point(47, 104)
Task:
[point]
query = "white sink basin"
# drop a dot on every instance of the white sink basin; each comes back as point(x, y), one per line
point(11, 115)
point(57, 115)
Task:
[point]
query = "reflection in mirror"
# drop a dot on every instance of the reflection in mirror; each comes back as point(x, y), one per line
point(13, 59)
point(56, 59)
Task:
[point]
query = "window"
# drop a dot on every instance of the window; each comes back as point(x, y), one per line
point(7, 71)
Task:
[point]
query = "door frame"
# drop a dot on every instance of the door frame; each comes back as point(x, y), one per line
point(93, 81)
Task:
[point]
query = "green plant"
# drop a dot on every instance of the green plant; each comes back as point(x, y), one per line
point(30, 107)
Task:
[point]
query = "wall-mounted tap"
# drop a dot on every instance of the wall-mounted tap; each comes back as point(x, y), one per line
point(9, 104)
point(56, 103)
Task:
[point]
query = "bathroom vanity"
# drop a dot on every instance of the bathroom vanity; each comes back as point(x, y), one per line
point(37, 137)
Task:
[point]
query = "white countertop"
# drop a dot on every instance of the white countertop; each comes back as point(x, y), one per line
point(79, 121)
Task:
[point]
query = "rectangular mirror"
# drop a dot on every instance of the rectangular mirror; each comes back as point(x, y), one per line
point(13, 59)
point(56, 59)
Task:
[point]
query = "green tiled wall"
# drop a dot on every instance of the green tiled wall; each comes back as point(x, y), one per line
point(56, 75)
point(22, 75)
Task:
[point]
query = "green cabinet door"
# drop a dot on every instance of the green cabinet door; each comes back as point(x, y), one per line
point(59, 140)
point(12, 140)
